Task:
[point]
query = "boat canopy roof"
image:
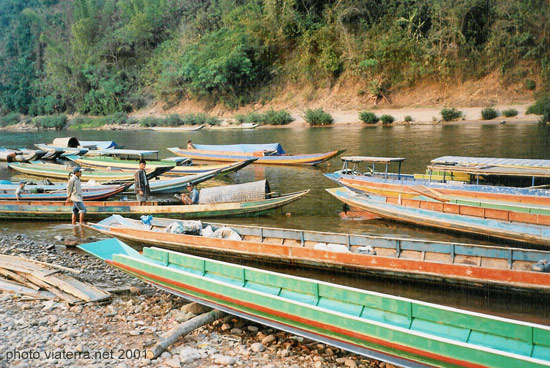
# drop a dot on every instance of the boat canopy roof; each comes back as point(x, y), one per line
point(274, 147)
point(383, 160)
point(68, 142)
point(99, 144)
point(488, 161)
point(245, 192)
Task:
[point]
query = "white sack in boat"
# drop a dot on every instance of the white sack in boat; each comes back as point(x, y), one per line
point(226, 233)
point(339, 248)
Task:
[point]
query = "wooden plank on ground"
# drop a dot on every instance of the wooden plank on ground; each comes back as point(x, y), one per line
point(28, 262)
point(62, 295)
point(77, 288)
point(14, 288)
point(18, 278)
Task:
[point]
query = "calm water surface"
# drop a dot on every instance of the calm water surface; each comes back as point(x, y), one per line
point(318, 210)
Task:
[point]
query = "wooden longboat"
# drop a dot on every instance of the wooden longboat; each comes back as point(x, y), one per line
point(178, 129)
point(95, 193)
point(266, 156)
point(499, 228)
point(105, 162)
point(401, 331)
point(417, 259)
point(60, 211)
point(177, 184)
point(56, 171)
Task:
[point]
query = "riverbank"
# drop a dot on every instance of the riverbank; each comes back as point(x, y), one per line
point(342, 118)
point(118, 333)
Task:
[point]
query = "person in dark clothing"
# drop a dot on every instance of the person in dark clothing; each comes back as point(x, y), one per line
point(141, 184)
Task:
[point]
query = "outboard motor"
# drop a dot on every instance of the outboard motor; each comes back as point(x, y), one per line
point(541, 266)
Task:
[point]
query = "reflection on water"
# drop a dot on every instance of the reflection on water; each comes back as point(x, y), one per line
point(319, 210)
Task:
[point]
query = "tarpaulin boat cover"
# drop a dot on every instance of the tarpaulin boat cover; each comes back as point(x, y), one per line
point(275, 147)
point(99, 144)
point(247, 192)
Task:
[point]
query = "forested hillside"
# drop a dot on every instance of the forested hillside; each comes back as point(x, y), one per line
point(104, 56)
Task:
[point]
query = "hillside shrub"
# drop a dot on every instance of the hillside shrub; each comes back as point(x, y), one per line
point(199, 118)
point(271, 117)
point(119, 118)
point(151, 121)
point(387, 119)
point(539, 106)
point(530, 84)
point(318, 117)
point(56, 122)
point(84, 122)
point(368, 117)
point(408, 118)
point(450, 114)
point(510, 112)
point(489, 113)
point(10, 119)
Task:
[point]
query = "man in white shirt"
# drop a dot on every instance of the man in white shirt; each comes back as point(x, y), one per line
point(20, 190)
point(74, 194)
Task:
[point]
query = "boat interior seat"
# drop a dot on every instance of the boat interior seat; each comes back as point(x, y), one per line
point(272, 195)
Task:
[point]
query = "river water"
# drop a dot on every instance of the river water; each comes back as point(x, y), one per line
point(320, 211)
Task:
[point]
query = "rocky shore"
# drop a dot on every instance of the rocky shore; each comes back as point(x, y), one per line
point(121, 331)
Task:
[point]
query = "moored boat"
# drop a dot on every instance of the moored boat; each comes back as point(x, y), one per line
point(271, 153)
point(43, 193)
point(56, 171)
point(401, 331)
point(177, 129)
point(227, 206)
point(176, 170)
point(20, 155)
point(416, 259)
point(504, 228)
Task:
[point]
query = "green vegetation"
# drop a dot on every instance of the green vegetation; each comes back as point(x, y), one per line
point(368, 117)
point(489, 113)
point(318, 117)
point(450, 114)
point(175, 120)
point(102, 57)
point(408, 118)
point(10, 119)
point(56, 122)
point(387, 119)
point(271, 117)
point(510, 112)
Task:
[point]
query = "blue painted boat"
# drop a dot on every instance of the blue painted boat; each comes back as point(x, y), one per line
point(521, 232)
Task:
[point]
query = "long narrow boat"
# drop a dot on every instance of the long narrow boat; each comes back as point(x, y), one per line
point(178, 184)
point(504, 228)
point(178, 129)
point(105, 162)
point(409, 186)
point(56, 171)
point(417, 259)
point(60, 211)
point(22, 155)
point(272, 154)
point(96, 193)
point(401, 331)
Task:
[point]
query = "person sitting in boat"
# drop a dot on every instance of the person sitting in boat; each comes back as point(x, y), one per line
point(20, 190)
point(193, 197)
point(190, 145)
point(141, 184)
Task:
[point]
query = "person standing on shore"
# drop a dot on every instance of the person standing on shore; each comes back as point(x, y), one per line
point(141, 184)
point(74, 194)
point(20, 190)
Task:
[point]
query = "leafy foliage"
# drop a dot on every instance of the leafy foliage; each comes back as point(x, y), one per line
point(368, 117)
point(387, 119)
point(530, 84)
point(450, 114)
point(56, 122)
point(509, 112)
point(318, 117)
point(10, 119)
point(540, 105)
point(489, 113)
point(271, 117)
point(408, 118)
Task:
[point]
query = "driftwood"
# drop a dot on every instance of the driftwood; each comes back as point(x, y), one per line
point(184, 329)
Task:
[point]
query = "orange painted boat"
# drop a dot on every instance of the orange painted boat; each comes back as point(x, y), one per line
point(465, 264)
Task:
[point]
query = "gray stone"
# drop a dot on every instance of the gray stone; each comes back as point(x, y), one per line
point(225, 360)
point(257, 347)
point(166, 355)
point(174, 362)
point(252, 329)
point(268, 339)
point(195, 308)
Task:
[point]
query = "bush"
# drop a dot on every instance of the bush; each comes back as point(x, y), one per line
point(151, 121)
point(450, 114)
point(277, 117)
point(83, 122)
point(489, 113)
point(530, 84)
point(116, 118)
point(539, 106)
point(408, 118)
point(510, 112)
point(318, 117)
point(53, 121)
point(387, 119)
point(272, 117)
point(198, 119)
point(368, 117)
point(10, 119)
